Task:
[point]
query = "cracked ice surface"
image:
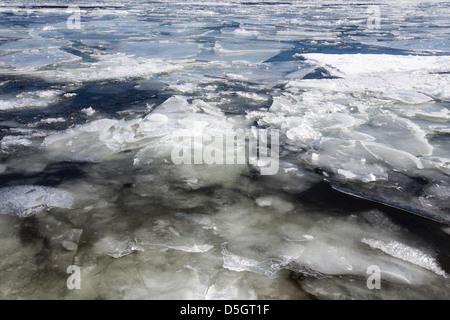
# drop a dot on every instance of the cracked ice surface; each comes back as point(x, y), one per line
point(89, 119)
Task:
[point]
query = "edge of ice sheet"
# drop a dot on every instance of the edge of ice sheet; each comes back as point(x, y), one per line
point(355, 64)
point(406, 253)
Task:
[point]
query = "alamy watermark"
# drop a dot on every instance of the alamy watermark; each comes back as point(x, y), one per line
point(74, 21)
point(374, 19)
point(258, 147)
point(374, 280)
point(74, 280)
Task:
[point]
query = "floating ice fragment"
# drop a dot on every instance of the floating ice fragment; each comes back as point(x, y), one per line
point(245, 32)
point(264, 202)
point(195, 248)
point(406, 253)
point(9, 141)
point(52, 120)
point(184, 88)
point(69, 245)
point(252, 96)
point(398, 159)
point(24, 201)
point(230, 286)
point(90, 142)
point(37, 43)
point(409, 97)
point(31, 99)
point(116, 248)
point(159, 49)
point(88, 111)
point(30, 60)
point(239, 264)
point(369, 177)
point(304, 237)
point(419, 44)
point(347, 174)
point(304, 133)
point(250, 52)
point(72, 238)
point(443, 114)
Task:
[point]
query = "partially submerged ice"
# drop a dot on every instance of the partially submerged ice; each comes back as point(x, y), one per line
point(351, 128)
point(91, 118)
point(25, 201)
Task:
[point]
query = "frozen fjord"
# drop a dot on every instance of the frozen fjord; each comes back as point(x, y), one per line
point(88, 118)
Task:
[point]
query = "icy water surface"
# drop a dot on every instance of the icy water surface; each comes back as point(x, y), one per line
point(95, 98)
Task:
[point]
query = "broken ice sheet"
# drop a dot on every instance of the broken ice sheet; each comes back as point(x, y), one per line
point(227, 285)
point(31, 60)
point(216, 54)
point(237, 263)
point(177, 234)
point(406, 253)
point(417, 45)
point(159, 50)
point(115, 247)
point(252, 51)
point(152, 274)
point(408, 97)
point(33, 43)
point(299, 245)
point(25, 201)
point(83, 143)
point(403, 134)
point(29, 99)
point(426, 197)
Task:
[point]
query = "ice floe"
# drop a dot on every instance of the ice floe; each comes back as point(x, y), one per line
point(401, 251)
point(25, 201)
point(29, 99)
point(361, 113)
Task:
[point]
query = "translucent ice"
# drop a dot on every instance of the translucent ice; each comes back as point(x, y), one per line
point(409, 97)
point(372, 125)
point(84, 142)
point(33, 43)
point(407, 253)
point(30, 60)
point(158, 50)
point(25, 201)
point(252, 51)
